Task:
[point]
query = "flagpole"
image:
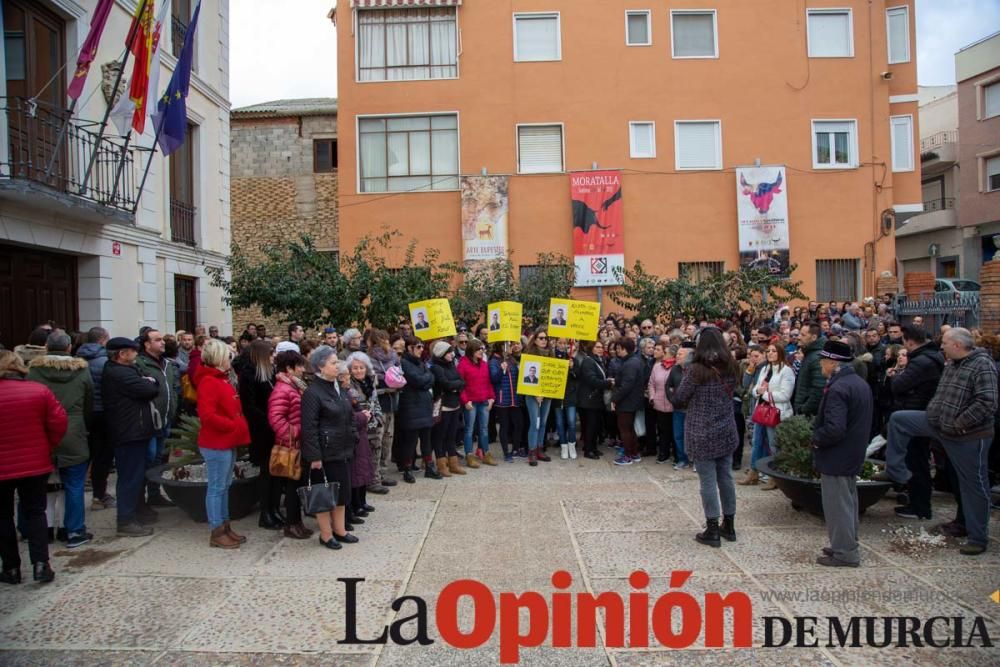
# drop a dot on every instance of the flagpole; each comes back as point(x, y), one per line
point(59, 140)
point(121, 167)
point(107, 112)
point(149, 163)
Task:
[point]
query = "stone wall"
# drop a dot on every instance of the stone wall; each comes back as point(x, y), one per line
point(276, 197)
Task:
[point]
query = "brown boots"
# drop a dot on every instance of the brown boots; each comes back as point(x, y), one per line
point(221, 539)
point(297, 531)
point(233, 534)
point(751, 479)
point(442, 466)
point(453, 467)
point(487, 458)
point(471, 461)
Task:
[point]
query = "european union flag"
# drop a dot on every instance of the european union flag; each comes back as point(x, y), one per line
point(171, 110)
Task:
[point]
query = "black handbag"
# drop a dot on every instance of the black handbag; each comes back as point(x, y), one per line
point(319, 498)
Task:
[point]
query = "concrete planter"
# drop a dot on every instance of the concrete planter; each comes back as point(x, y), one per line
point(190, 496)
point(805, 494)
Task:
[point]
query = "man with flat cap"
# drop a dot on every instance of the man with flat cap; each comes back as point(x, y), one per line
point(840, 436)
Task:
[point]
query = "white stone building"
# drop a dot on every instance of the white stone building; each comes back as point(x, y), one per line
point(79, 255)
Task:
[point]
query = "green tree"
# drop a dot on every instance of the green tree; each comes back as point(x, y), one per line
point(479, 285)
point(551, 277)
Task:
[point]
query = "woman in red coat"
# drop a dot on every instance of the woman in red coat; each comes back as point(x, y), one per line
point(223, 429)
point(284, 414)
point(32, 422)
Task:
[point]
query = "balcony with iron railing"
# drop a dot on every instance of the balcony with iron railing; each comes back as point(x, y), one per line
point(938, 151)
point(50, 152)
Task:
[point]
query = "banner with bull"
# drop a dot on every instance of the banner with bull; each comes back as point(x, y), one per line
point(484, 217)
point(598, 227)
point(762, 209)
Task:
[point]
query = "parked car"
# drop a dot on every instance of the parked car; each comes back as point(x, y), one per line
point(955, 287)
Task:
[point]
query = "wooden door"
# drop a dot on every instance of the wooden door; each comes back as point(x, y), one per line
point(35, 287)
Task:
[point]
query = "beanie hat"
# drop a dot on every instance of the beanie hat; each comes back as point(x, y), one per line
point(440, 349)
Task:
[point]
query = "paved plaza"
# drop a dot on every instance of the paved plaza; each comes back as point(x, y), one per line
point(171, 600)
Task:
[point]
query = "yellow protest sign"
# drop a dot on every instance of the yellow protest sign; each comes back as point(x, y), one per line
point(503, 321)
point(432, 319)
point(574, 319)
point(542, 376)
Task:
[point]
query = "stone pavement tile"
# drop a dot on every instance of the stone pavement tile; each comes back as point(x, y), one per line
point(771, 657)
point(328, 658)
point(917, 657)
point(423, 489)
point(488, 656)
point(676, 484)
point(376, 556)
point(657, 513)
point(134, 612)
point(658, 553)
point(397, 516)
point(771, 510)
point(759, 550)
point(18, 600)
point(970, 585)
point(522, 548)
point(77, 658)
point(255, 617)
point(899, 543)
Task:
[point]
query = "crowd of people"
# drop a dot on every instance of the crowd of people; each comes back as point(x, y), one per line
point(354, 405)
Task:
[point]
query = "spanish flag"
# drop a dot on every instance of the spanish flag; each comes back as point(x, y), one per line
point(140, 43)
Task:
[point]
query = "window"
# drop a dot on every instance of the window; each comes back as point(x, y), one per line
point(536, 37)
point(527, 273)
point(991, 100)
point(693, 34)
point(539, 149)
point(697, 272)
point(407, 44)
point(642, 139)
point(185, 302)
point(993, 174)
point(404, 153)
point(180, 16)
point(836, 279)
point(830, 34)
point(182, 208)
point(638, 29)
point(902, 142)
point(835, 144)
point(897, 26)
point(324, 155)
point(698, 144)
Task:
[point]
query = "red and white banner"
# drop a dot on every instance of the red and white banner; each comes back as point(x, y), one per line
point(598, 227)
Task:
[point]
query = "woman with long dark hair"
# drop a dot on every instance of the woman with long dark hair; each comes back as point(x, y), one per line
point(594, 381)
point(256, 382)
point(538, 407)
point(710, 431)
point(415, 415)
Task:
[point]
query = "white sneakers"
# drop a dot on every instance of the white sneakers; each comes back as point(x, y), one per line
point(568, 451)
point(572, 450)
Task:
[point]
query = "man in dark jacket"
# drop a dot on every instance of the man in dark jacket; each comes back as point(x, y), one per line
point(153, 363)
point(809, 382)
point(102, 453)
point(960, 416)
point(627, 399)
point(127, 395)
point(840, 435)
point(912, 389)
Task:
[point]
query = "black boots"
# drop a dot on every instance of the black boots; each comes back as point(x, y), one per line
point(43, 573)
point(11, 576)
point(727, 530)
point(710, 536)
point(270, 520)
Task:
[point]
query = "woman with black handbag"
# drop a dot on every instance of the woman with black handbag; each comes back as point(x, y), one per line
point(329, 437)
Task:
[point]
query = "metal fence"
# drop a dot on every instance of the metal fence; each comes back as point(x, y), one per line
point(958, 311)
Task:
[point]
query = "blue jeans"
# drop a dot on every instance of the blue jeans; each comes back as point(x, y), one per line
point(73, 478)
point(680, 456)
point(761, 444)
point(478, 415)
point(566, 423)
point(538, 415)
point(219, 473)
point(154, 456)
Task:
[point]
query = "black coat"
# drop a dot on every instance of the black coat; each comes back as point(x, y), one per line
point(448, 384)
point(843, 424)
point(570, 396)
point(416, 402)
point(592, 382)
point(128, 397)
point(328, 429)
point(254, 395)
point(913, 387)
point(629, 387)
point(677, 372)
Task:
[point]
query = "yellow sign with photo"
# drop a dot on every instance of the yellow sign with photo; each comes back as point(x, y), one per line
point(503, 321)
point(542, 376)
point(432, 319)
point(574, 319)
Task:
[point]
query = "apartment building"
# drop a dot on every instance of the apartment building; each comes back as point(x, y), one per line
point(673, 95)
point(79, 243)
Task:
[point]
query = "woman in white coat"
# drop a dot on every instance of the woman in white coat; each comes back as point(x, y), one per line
point(775, 384)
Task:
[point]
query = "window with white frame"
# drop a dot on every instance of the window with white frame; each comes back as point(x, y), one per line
point(830, 33)
point(835, 144)
point(536, 37)
point(403, 153)
point(897, 26)
point(407, 44)
point(901, 128)
point(642, 139)
point(539, 149)
point(638, 28)
point(693, 34)
point(991, 100)
point(698, 144)
point(992, 169)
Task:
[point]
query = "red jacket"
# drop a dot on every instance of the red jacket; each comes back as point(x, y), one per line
point(478, 387)
point(32, 422)
point(284, 413)
point(194, 365)
point(222, 423)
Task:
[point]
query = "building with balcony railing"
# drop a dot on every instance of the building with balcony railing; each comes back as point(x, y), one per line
point(79, 243)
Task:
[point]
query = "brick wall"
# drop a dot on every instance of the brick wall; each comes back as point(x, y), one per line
point(275, 194)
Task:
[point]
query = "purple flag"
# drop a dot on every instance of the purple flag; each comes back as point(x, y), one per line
point(88, 52)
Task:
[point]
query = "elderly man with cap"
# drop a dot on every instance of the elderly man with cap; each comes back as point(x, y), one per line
point(840, 436)
point(127, 395)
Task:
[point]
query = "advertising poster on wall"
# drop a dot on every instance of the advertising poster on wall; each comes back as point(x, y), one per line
point(762, 211)
point(484, 217)
point(598, 227)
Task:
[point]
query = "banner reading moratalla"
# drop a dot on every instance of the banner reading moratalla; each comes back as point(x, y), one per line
point(598, 226)
point(484, 217)
point(762, 209)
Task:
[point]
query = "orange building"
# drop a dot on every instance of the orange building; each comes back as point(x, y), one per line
point(676, 94)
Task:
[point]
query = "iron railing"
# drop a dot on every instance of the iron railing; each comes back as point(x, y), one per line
point(956, 310)
point(178, 29)
point(50, 147)
point(182, 222)
point(938, 139)
point(939, 204)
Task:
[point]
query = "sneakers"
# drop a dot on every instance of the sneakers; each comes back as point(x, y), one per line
point(78, 540)
point(564, 451)
point(105, 503)
point(662, 459)
point(971, 549)
point(636, 459)
point(681, 466)
point(623, 460)
point(134, 530)
point(508, 458)
point(830, 561)
point(907, 512)
point(572, 450)
point(520, 454)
